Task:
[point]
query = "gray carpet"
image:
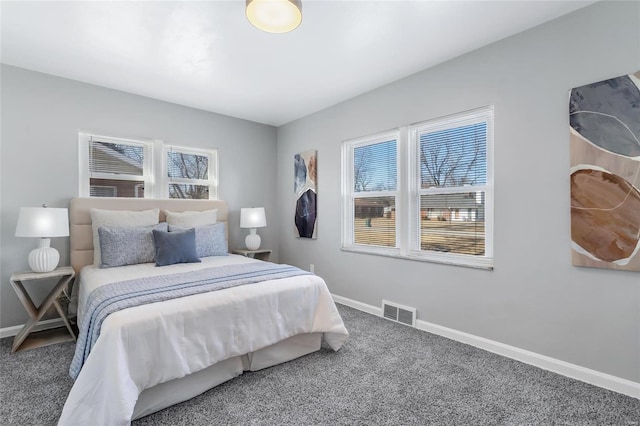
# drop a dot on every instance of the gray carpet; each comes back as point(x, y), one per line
point(386, 374)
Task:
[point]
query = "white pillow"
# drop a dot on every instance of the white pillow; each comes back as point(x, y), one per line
point(192, 219)
point(119, 218)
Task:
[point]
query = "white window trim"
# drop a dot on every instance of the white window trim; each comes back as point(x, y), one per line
point(407, 199)
point(84, 139)
point(155, 176)
point(212, 182)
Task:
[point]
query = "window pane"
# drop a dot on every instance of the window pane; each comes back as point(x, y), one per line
point(453, 223)
point(114, 158)
point(375, 221)
point(453, 157)
point(189, 191)
point(187, 166)
point(375, 167)
point(116, 188)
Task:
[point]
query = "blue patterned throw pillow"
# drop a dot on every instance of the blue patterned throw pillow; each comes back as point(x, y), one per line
point(211, 240)
point(127, 246)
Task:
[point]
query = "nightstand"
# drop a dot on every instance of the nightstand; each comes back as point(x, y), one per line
point(256, 254)
point(22, 340)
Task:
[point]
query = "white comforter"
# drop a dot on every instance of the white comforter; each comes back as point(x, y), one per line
point(150, 344)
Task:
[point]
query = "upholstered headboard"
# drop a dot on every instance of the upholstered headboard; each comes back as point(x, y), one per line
point(81, 235)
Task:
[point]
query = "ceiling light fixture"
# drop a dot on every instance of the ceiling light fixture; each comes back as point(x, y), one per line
point(274, 16)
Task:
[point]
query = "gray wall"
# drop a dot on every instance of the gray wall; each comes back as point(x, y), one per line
point(534, 299)
point(41, 116)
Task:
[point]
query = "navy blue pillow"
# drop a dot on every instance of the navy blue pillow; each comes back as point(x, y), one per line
point(175, 247)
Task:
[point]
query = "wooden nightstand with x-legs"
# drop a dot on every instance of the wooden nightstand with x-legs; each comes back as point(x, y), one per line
point(25, 339)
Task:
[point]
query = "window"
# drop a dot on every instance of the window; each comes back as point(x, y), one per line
point(191, 172)
point(372, 192)
point(117, 167)
point(443, 212)
point(451, 189)
point(111, 167)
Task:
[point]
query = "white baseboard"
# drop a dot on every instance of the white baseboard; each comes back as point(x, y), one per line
point(43, 325)
point(597, 378)
point(357, 305)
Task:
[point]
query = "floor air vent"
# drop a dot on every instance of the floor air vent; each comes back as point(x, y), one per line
point(399, 313)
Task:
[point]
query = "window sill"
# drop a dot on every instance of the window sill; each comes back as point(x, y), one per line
point(444, 259)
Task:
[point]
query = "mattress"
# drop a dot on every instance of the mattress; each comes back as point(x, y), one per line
point(144, 346)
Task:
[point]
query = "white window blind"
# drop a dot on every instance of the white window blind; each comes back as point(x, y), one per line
point(191, 173)
point(103, 191)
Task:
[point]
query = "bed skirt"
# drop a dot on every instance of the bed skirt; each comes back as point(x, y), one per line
point(178, 390)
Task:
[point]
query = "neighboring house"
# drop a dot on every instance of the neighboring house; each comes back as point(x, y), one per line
point(369, 208)
point(467, 206)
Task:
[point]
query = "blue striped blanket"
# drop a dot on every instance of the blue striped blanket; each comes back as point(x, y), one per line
point(113, 297)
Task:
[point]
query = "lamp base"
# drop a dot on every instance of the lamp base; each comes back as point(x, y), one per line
point(44, 258)
point(253, 240)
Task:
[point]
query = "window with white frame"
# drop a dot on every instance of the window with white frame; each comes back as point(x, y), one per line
point(190, 173)
point(118, 167)
point(443, 212)
point(371, 193)
point(115, 167)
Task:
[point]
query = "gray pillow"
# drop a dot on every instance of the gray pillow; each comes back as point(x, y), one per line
point(191, 219)
point(211, 240)
point(175, 247)
point(127, 246)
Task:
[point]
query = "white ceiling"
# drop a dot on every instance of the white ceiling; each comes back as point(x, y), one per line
point(205, 54)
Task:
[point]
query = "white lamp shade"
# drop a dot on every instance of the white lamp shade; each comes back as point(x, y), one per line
point(253, 217)
point(274, 16)
point(42, 222)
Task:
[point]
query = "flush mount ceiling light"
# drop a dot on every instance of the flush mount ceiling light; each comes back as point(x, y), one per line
point(274, 16)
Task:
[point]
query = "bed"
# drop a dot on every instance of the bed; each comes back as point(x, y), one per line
point(204, 339)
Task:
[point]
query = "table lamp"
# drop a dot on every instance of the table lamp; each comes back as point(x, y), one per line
point(44, 223)
point(252, 218)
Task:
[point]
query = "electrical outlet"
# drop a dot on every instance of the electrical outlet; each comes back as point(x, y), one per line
point(312, 268)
